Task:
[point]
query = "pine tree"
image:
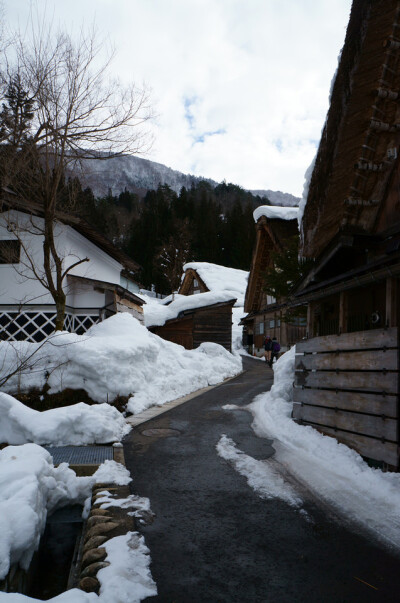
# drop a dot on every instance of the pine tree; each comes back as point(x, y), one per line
point(16, 114)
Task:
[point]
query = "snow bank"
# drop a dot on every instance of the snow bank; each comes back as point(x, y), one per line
point(220, 278)
point(119, 356)
point(30, 487)
point(75, 425)
point(332, 471)
point(157, 315)
point(274, 212)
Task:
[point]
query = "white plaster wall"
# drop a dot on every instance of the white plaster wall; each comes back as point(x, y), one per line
point(18, 283)
point(101, 266)
point(82, 295)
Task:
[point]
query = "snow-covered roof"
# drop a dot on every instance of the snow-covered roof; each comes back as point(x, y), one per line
point(221, 279)
point(275, 212)
point(157, 315)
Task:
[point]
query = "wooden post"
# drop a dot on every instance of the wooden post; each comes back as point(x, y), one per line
point(392, 311)
point(310, 320)
point(343, 312)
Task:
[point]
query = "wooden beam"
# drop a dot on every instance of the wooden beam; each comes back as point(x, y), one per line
point(373, 404)
point(367, 425)
point(343, 298)
point(392, 309)
point(375, 339)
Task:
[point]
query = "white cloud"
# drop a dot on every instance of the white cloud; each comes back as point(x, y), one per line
point(258, 73)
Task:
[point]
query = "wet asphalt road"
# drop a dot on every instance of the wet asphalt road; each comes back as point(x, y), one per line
point(215, 540)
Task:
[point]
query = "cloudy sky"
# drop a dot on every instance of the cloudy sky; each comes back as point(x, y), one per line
point(240, 87)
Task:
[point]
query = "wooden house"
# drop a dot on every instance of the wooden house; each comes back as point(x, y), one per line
point(95, 289)
point(347, 372)
point(193, 320)
point(192, 282)
point(266, 315)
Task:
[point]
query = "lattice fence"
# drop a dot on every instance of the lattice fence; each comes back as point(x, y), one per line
point(35, 326)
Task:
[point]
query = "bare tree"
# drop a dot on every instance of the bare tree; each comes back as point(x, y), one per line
point(65, 109)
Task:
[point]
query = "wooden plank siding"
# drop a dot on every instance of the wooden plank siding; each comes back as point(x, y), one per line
point(348, 386)
point(213, 324)
point(359, 340)
point(178, 332)
point(209, 323)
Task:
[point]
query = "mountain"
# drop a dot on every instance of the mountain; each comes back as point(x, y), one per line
point(278, 198)
point(139, 175)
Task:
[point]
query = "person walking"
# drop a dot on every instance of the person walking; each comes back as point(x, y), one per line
point(268, 348)
point(276, 348)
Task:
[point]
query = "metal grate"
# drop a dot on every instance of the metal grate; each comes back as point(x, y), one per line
point(81, 455)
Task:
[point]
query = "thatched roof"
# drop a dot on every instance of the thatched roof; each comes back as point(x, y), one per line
point(272, 235)
point(357, 159)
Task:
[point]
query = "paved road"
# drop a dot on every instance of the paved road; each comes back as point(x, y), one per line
point(214, 540)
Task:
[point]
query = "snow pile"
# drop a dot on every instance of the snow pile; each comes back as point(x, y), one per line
point(275, 212)
point(332, 471)
point(79, 424)
point(30, 487)
point(220, 278)
point(119, 356)
point(112, 472)
point(157, 315)
point(127, 579)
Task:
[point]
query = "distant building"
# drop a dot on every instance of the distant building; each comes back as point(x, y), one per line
point(95, 289)
point(265, 314)
point(192, 320)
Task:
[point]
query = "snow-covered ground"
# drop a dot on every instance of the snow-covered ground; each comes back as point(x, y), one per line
point(118, 356)
point(332, 472)
point(30, 488)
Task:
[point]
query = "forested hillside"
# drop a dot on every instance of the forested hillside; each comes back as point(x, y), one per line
point(164, 230)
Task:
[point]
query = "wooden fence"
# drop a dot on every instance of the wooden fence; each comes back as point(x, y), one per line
point(347, 386)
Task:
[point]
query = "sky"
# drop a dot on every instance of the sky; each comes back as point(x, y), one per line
point(240, 89)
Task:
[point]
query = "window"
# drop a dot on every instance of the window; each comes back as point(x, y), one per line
point(272, 324)
point(260, 328)
point(10, 251)
point(195, 283)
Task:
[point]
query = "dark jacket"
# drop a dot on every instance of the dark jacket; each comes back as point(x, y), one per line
point(268, 344)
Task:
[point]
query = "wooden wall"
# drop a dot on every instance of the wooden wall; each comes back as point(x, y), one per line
point(213, 324)
point(347, 386)
point(177, 331)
